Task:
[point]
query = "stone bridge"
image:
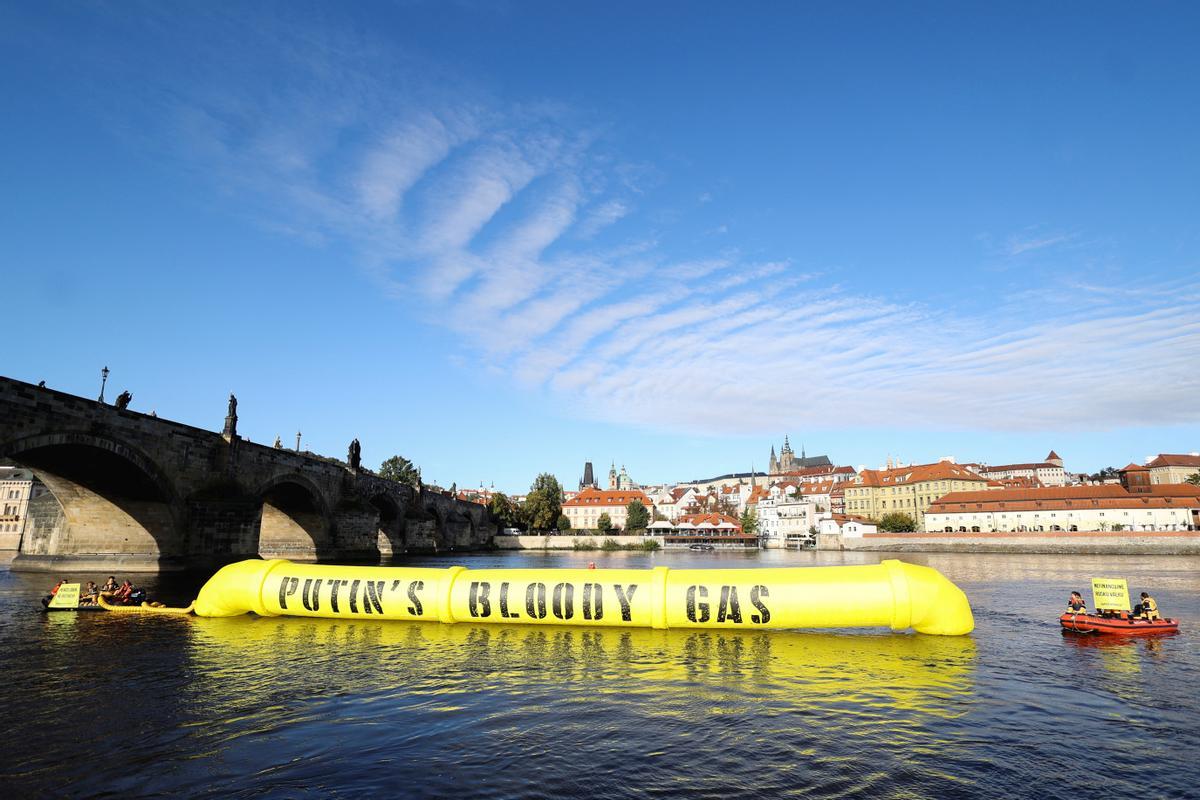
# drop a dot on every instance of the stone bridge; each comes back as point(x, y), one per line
point(134, 492)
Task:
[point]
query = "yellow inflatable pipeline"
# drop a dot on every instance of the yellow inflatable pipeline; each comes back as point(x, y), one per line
point(890, 594)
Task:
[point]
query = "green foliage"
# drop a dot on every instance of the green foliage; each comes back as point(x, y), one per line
point(1193, 479)
point(608, 545)
point(583, 544)
point(897, 522)
point(401, 470)
point(749, 521)
point(604, 523)
point(564, 522)
point(504, 510)
point(543, 505)
point(1117, 526)
point(637, 517)
point(650, 545)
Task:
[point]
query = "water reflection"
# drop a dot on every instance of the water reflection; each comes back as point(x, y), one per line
point(759, 708)
point(911, 672)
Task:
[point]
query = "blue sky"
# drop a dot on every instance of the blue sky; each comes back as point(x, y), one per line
point(507, 238)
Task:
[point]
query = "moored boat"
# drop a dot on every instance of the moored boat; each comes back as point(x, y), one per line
point(1123, 625)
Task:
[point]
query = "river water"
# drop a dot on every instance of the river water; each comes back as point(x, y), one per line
point(104, 704)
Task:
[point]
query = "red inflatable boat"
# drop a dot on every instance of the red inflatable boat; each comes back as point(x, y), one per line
point(1123, 625)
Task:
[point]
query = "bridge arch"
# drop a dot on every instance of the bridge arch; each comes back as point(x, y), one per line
point(295, 521)
point(390, 525)
point(112, 502)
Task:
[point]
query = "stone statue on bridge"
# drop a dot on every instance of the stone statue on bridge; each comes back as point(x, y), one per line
point(278, 443)
point(355, 454)
point(123, 400)
point(231, 419)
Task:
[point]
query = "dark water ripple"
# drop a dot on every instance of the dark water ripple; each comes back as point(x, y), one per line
point(101, 705)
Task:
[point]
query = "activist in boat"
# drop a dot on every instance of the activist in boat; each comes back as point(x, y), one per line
point(1113, 615)
point(67, 596)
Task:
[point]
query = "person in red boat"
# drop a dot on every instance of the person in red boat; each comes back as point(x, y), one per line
point(1075, 604)
point(1147, 609)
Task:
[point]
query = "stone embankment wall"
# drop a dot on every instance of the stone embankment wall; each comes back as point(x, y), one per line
point(567, 541)
point(1073, 542)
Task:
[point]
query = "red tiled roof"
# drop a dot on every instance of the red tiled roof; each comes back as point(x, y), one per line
point(1133, 468)
point(1007, 467)
point(758, 493)
point(1053, 455)
point(919, 473)
point(806, 471)
point(1019, 482)
point(1175, 460)
point(711, 519)
point(605, 497)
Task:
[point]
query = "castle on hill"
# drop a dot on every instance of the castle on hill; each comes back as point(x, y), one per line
point(787, 460)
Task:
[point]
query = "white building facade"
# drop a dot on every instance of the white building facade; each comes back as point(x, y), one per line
point(848, 527)
point(785, 519)
point(17, 487)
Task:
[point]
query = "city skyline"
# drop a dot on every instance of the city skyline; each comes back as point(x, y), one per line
point(500, 266)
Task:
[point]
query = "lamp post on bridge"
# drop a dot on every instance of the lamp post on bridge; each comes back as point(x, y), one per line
point(297, 441)
point(103, 381)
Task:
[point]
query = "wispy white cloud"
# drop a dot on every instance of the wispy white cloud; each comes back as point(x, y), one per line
point(601, 217)
point(487, 220)
point(1017, 245)
point(391, 168)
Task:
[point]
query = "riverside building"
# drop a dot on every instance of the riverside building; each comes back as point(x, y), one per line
point(1106, 507)
point(1173, 468)
point(1048, 472)
point(585, 508)
point(908, 490)
point(785, 518)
